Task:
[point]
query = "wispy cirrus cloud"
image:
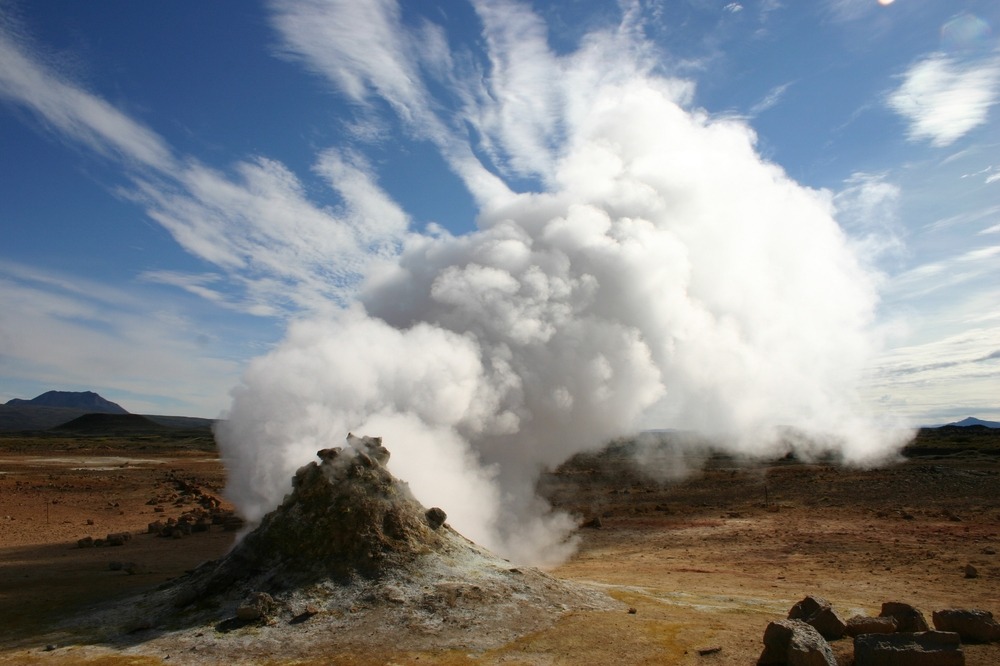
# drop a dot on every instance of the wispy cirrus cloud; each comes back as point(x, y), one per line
point(279, 249)
point(943, 98)
point(73, 112)
point(63, 331)
point(961, 367)
point(771, 99)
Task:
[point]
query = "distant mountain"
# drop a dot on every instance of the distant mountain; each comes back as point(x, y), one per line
point(973, 421)
point(87, 401)
point(59, 408)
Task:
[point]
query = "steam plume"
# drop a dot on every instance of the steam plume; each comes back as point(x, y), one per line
point(662, 274)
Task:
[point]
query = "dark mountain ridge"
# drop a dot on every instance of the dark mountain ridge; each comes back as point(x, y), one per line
point(973, 421)
point(88, 401)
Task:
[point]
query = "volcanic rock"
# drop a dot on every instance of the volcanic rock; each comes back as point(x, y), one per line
point(435, 517)
point(974, 626)
point(908, 619)
point(925, 648)
point(258, 607)
point(795, 643)
point(819, 613)
point(351, 544)
point(860, 624)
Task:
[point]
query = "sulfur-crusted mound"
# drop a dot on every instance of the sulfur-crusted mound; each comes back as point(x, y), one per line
point(348, 561)
point(346, 516)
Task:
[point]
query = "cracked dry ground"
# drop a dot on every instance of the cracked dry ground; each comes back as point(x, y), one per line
point(704, 562)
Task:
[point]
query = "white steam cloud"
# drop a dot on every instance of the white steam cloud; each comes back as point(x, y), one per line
point(663, 275)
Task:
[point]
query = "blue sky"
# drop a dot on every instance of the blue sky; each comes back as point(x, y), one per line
point(179, 181)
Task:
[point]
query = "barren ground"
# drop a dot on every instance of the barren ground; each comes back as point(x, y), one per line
point(705, 563)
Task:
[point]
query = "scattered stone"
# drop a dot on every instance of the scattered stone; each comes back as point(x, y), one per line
point(925, 648)
point(115, 565)
point(989, 551)
point(90, 521)
point(819, 613)
point(435, 517)
point(861, 624)
point(632, 611)
point(50, 647)
point(795, 643)
point(594, 523)
point(117, 538)
point(709, 650)
point(971, 571)
point(85, 542)
point(974, 626)
point(258, 608)
point(908, 619)
point(130, 568)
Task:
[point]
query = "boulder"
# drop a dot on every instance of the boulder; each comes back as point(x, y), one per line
point(819, 613)
point(795, 643)
point(257, 608)
point(908, 619)
point(435, 517)
point(925, 648)
point(974, 626)
point(861, 624)
point(117, 538)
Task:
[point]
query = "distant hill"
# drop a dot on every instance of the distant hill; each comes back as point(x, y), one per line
point(182, 422)
point(973, 421)
point(87, 401)
point(97, 423)
point(22, 416)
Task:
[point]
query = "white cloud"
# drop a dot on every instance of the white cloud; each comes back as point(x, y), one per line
point(962, 369)
point(868, 208)
point(943, 99)
point(770, 100)
point(849, 10)
point(277, 248)
point(62, 330)
point(367, 53)
point(75, 112)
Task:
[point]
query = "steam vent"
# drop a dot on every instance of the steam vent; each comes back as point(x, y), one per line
point(349, 561)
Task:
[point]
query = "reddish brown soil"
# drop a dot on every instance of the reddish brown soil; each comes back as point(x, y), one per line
point(704, 563)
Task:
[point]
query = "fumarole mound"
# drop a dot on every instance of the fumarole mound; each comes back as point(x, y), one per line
point(349, 561)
